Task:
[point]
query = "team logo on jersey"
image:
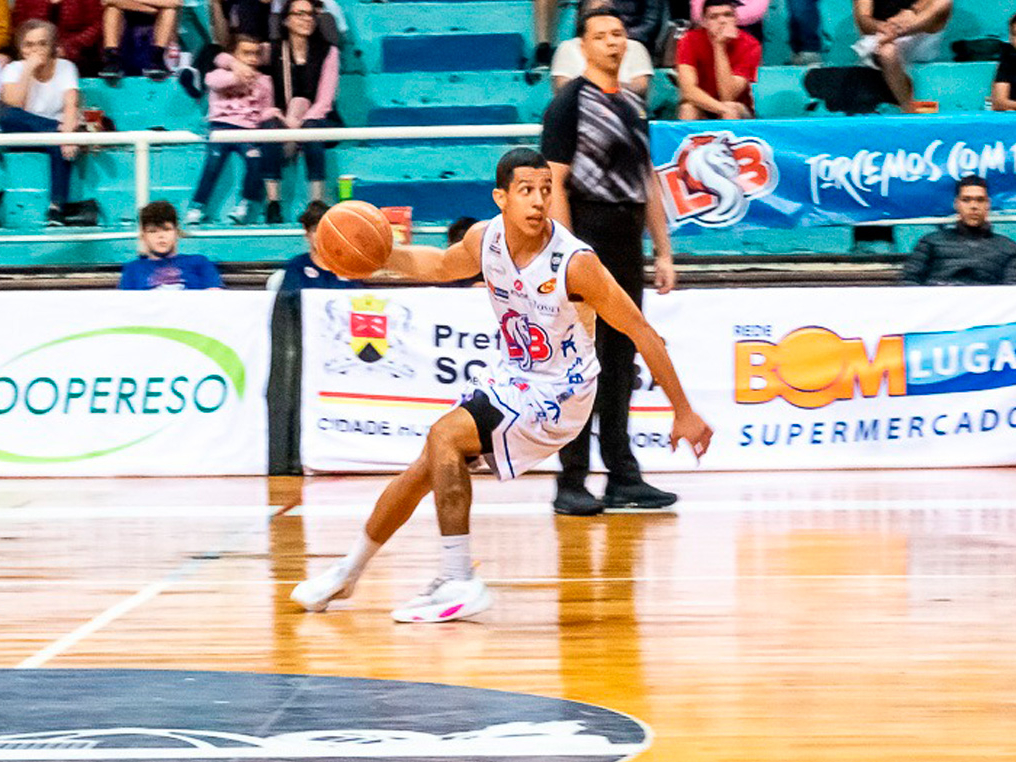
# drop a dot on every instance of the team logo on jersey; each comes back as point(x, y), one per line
point(555, 261)
point(527, 343)
point(714, 176)
point(548, 286)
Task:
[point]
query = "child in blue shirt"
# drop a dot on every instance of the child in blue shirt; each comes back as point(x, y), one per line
point(159, 266)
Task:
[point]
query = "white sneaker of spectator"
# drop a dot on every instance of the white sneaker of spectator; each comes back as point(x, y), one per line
point(240, 212)
point(194, 216)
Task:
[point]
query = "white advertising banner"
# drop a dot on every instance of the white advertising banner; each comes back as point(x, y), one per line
point(788, 378)
point(101, 383)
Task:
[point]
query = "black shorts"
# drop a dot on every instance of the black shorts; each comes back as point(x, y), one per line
point(487, 418)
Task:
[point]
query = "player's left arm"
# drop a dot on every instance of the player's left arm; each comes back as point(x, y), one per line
point(589, 281)
point(656, 221)
point(429, 264)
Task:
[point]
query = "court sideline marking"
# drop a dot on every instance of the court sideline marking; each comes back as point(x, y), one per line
point(143, 596)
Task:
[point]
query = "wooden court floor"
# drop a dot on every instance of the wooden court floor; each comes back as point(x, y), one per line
point(854, 616)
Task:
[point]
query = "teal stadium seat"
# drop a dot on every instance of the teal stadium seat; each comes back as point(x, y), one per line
point(427, 63)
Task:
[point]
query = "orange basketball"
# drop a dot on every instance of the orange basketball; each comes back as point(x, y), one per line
point(353, 239)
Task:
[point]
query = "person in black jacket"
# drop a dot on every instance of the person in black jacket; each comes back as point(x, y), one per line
point(969, 254)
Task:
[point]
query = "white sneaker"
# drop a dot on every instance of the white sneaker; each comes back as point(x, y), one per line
point(240, 212)
point(315, 593)
point(194, 216)
point(444, 600)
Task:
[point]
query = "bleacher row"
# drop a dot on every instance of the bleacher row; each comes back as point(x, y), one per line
point(411, 63)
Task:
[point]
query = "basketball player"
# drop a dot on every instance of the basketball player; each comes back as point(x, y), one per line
point(546, 288)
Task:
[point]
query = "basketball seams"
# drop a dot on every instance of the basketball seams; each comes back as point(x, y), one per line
point(350, 252)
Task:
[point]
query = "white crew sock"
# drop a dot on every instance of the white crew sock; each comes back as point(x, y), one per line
point(362, 551)
point(456, 562)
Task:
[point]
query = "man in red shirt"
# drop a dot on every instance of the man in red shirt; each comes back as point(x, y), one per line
point(716, 64)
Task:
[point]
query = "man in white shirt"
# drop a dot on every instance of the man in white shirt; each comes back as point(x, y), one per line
point(636, 66)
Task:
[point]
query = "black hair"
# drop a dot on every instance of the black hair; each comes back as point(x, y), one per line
point(580, 27)
point(238, 38)
point(714, 3)
point(1012, 20)
point(458, 229)
point(317, 5)
point(971, 181)
point(158, 213)
point(312, 214)
point(515, 158)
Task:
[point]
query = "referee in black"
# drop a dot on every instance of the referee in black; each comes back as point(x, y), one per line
point(596, 139)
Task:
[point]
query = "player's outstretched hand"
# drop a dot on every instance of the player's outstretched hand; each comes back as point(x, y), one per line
point(694, 430)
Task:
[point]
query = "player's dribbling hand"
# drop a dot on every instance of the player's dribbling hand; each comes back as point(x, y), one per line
point(694, 431)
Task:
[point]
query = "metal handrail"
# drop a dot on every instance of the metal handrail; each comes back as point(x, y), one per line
point(143, 140)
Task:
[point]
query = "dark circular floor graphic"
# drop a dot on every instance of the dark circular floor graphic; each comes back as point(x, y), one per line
point(113, 714)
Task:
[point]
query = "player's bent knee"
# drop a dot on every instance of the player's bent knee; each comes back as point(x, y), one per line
point(453, 435)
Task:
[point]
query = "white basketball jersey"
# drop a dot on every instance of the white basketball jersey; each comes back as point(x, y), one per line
point(544, 337)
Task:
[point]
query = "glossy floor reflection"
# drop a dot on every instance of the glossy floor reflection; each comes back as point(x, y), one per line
point(853, 616)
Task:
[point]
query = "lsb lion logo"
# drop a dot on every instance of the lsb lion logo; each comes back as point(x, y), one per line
point(527, 343)
point(714, 176)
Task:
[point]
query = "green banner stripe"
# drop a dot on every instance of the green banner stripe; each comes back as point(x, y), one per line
point(222, 355)
point(13, 457)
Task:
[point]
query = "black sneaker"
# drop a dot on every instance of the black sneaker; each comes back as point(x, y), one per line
point(543, 56)
point(639, 496)
point(155, 69)
point(576, 502)
point(273, 213)
point(55, 216)
point(190, 81)
point(111, 70)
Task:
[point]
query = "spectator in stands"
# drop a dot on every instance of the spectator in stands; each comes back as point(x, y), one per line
point(40, 94)
point(897, 33)
point(305, 75)
point(569, 62)
point(1003, 89)
point(642, 19)
point(240, 98)
point(748, 15)
point(159, 265)
point(78, 27)
point(304, 271)
point(969, 254)
point(248, 17)
point(120, 20)
point(805, 27)
point(716, 65)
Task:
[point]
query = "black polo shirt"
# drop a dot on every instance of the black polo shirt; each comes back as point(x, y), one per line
point(604, 137)
point(1006, 71)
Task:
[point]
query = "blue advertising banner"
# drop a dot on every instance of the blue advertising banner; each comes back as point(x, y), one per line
point(835, 171)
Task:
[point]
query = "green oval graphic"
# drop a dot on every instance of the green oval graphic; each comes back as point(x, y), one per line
point(222, 355)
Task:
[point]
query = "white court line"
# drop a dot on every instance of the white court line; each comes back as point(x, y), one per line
point(117, 610)
point(784, 504)
point(182, 583)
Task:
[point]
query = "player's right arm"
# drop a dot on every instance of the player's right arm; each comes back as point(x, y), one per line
point(589, 281)
point(429, 264)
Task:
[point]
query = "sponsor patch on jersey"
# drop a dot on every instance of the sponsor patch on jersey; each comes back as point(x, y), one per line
point(555, 261)
point(498, 292)
point(548, 286)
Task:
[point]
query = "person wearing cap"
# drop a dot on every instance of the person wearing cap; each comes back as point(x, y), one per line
point(716, 66)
